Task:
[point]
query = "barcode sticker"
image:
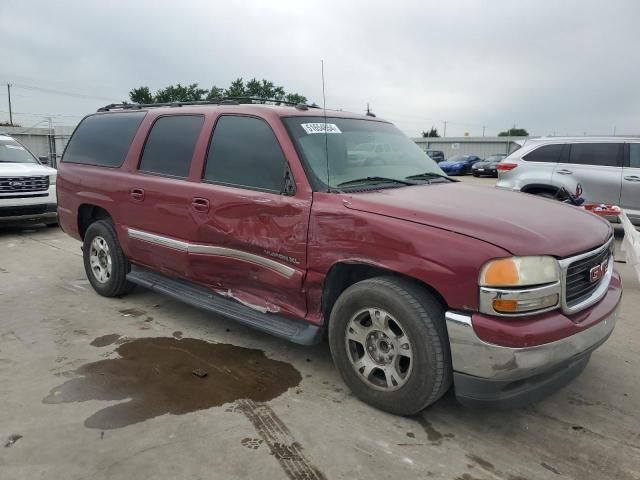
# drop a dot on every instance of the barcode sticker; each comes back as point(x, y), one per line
point(320, 128)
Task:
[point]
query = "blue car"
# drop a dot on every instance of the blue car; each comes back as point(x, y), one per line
point(459, 165)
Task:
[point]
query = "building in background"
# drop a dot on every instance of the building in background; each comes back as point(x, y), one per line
point(480, 146)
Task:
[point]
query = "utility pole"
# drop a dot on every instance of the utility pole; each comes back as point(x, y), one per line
point(444, 133)
point(9, 96)
point(614, 130)
point(483, 127)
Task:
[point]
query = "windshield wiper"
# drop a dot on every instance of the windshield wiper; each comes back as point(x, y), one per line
point(375, 180)
point(428, 176)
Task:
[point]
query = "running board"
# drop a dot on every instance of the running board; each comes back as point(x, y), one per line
point(295, 331)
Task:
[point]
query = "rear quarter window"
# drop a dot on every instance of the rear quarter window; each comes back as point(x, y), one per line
point(546, 153)
point(103, 139)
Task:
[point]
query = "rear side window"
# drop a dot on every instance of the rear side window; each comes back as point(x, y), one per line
point(603, 154)
point(170, 145)
point(103, 140)
point(546, 153)
point(634, 155)
point(245, 152)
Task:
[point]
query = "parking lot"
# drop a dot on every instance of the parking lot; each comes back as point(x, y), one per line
point(102, 388)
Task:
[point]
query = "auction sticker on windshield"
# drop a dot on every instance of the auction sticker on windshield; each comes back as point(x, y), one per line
point(320, 127)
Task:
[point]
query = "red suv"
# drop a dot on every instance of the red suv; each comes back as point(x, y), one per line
point(297, 224)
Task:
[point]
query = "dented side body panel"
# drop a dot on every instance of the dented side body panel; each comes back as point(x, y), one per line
point(446, 261)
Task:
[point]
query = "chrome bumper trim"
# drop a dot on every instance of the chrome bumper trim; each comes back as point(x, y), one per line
point(473, 356)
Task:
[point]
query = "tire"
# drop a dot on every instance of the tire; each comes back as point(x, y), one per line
point(109, 276)
point(476, 174)
point(406, 309)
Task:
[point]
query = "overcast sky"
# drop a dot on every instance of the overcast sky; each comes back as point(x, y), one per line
point(569, 67)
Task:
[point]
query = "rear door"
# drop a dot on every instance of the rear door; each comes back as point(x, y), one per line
point(540, 164)
point(157, 214)
point(250, 235)
point(630, 197)
point(597, 166)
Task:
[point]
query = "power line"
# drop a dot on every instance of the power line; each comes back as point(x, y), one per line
point(62, 92)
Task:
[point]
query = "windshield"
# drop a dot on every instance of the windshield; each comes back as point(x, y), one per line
point(12, 152)
point(458, 158)
point(494, 158)
point(366, 150)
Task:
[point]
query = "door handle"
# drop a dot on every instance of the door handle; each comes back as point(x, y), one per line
point(632, 178)
point(564, 172)
point(137, 194)
point(200, 205)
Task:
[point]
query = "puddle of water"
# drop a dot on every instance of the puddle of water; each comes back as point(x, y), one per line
point(105, 340)
point(154, 376)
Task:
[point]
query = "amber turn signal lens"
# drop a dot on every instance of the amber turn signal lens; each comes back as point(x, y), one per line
point(502, 273)
point(505, 306)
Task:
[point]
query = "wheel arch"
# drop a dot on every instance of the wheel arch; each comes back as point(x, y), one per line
point(535, 188)
point(89, 213)
point(342, 275)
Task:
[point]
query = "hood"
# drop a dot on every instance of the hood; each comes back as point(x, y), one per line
point(517, 222)
point(24, 170)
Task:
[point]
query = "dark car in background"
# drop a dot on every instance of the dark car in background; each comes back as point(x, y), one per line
point(436, 155)
point(459, 164)
point(487, 166)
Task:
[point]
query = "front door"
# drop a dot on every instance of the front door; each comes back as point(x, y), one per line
point(630, 197)
point(250, 234)
point(597, 166)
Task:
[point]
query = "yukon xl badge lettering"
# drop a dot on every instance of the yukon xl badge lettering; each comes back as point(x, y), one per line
point(281, 256)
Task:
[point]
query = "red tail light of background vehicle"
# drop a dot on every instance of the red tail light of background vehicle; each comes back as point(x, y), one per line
point(505, 167)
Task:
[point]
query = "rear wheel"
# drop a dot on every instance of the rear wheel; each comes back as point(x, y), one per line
point(104, 262)
point(388, 340)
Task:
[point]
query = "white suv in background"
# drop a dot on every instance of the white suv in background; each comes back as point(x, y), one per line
point(27, 188)
point(607, 167)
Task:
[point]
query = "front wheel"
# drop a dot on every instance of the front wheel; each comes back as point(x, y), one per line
point(104, 262)
point(389, 342)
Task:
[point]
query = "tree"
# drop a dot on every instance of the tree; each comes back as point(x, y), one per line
point(9, 124)
point(141, 95)
point(514, 132)
point(433, 132)
point(260, 90)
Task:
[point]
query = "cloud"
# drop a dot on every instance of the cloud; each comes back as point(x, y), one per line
point(564, 67)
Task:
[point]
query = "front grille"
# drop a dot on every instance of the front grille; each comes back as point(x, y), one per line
point(22, 210)
point(23, 184)
point(578, 284)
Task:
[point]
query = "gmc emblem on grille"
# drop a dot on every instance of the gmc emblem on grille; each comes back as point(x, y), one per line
point(597, 272)
point(16, 183)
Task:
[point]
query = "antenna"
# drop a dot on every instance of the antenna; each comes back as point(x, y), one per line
point(326, 136)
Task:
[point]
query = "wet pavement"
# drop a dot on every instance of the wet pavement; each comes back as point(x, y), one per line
point(145, 387)
point(157, 376)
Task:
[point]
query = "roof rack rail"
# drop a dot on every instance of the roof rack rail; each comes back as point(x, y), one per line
point(217, 101)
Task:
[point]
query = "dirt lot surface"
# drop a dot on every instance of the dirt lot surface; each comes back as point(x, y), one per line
point(144, 387)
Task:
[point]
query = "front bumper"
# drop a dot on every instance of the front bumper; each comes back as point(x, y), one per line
point(44, 213)
point(485, 373)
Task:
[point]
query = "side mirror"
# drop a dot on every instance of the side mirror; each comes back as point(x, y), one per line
point(44, 160)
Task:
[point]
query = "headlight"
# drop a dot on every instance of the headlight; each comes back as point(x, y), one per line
point(519, 285)
point(52, 179)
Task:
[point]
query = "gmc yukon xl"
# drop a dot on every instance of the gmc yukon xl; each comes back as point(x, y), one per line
point(279, 218)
